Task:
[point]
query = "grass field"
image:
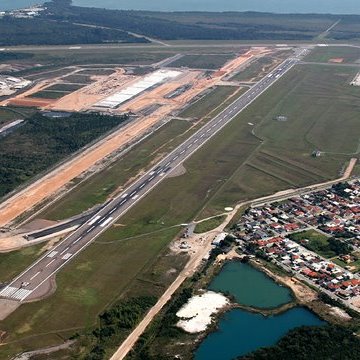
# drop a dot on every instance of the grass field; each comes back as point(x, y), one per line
point(96, 189)
point(9, 114)
point(324, 54)
point(11, 262)
point(211, 61)
point(320, 97)
point(206, 104)
point(78, 79)
point(317, 242)
point(210, 224)
point(354, 266)
point(49, 94)
point(83, 288)
point(232, 166)
point(253, 71)
point(64, 87)
point(97, 72)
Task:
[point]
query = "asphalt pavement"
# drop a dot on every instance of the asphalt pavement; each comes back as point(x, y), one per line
point(34, 281)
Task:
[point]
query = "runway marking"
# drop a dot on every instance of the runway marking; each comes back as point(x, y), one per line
point(15, 293)
point(135, 197)
point(196, 140)
point(107, 221)
point(142, 185)
point(21, 294)
point(94, 220)
point(124, 196)
point(151, 178)
point(182, 152)
point(66, 249)
point(34, 276)
point(168, 164)
point(113, 210)
point(67, 256)
point(123, 202)
point(133, 193)
point(52, 254)
point(8, 291)
point(88, 230)
point(175, 158)
point(78, 239)
point(50, 262)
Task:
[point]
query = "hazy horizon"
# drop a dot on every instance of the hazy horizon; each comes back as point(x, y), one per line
point(277, 6)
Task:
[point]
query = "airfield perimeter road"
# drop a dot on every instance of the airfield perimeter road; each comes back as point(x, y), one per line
point(35, 281)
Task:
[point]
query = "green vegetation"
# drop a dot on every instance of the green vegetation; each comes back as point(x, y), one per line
point(79, 79)
point(209, 102)
point(255, 70)
point(321, 244)
point(210, 224)
point(202, 61)
point(216, 177)
point(64, 87)
point(49, 94)
point(347, 29)
point(96, 189)
point(115, 325)
point(111, 268)
point(97, 72)
point(10, 56)
point(199, 25)
point(38, 31)
point(42, 142)
point(324, 54)
point(9, 114)
point(352, 266)
point(313, 98)
point(11, 262)
point(322, 343)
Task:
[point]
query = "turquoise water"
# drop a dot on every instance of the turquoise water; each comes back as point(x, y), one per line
point(250, 286)
point(302, 6)
point(241, 332)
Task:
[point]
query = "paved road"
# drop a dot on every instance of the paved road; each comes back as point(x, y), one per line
point(34, 281)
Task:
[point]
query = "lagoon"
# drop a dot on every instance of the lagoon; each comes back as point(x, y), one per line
point(241, 332)
point(250, 286)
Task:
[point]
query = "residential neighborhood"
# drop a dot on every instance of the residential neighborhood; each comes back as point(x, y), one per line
point(316, 236)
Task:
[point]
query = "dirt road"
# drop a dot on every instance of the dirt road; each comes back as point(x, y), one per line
point(188, 271)
point(57, 179)
point(200, 253)
point(54, 181)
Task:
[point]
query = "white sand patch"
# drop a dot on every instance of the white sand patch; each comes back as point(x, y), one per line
point(196, 314)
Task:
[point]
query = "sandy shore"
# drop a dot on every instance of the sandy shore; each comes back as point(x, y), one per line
point(196, 314)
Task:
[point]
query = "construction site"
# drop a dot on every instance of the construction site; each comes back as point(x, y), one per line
point(152, 98)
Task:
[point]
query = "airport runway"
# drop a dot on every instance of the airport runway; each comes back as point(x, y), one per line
point(34, 282)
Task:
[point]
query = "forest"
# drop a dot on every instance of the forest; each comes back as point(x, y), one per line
point(42, 142)
point(321, 343)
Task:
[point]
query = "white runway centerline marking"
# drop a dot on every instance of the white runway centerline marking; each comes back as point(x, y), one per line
point(50, 262)
point(34, 276)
